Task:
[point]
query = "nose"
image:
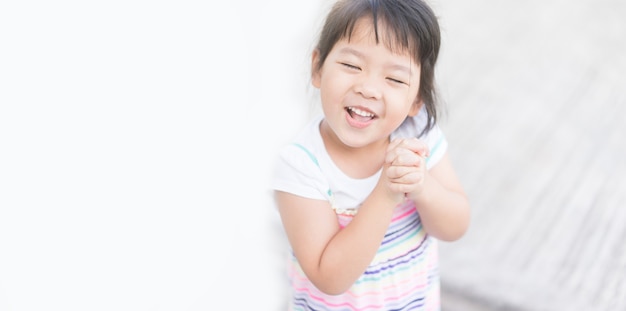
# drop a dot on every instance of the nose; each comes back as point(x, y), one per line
point(368, 86)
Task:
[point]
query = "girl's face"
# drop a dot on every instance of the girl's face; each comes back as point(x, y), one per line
point(366, 89)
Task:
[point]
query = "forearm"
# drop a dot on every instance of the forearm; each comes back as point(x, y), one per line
point(444, 212)
point(352, 249)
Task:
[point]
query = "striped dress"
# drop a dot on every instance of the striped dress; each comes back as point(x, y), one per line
point(402, 276)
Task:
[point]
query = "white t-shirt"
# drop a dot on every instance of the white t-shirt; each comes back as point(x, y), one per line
point(304, 168)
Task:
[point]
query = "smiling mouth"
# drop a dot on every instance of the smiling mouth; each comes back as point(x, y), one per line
point(360, 114)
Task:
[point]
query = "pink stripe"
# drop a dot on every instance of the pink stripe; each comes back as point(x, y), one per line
point(302, 280)
point(410, 211)
point(370, 306)
point(327, 303)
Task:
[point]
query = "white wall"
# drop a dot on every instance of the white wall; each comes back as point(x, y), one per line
point(135, 146)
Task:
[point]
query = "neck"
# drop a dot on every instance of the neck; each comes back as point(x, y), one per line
point(356, 162)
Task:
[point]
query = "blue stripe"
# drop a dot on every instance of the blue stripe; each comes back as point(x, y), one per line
point(313, 158)
point(406, 226)
point(434, 150)
point(413, 254)
point(404, 238)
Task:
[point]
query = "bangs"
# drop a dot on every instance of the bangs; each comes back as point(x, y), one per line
point(389, 22)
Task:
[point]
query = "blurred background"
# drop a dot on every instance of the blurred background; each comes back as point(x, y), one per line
point(536, 97)
point(136, 140)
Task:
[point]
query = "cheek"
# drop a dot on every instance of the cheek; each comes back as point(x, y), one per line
point(334, 87)
point(329, 98)
point(401, 108)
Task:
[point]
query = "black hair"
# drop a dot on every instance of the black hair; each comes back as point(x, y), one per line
point(409, 25)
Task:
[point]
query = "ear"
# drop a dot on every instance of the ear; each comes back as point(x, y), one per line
point(316, 76)
point(416, 106)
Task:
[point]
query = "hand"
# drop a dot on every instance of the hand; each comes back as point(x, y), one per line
point(405, 166)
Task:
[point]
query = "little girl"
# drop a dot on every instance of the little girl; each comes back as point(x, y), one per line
point(366, 189)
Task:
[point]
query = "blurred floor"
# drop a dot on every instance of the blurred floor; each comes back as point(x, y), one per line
point(535, 97)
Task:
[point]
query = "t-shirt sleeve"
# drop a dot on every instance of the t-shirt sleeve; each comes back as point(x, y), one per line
point(435, 139)
point(296, 171)
point(437, 144)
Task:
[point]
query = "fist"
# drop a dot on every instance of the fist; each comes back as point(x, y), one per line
point(405, 164)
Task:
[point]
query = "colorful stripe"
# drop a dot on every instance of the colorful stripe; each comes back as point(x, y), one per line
point(402, 276)
point(433, 149)
point(311, 156)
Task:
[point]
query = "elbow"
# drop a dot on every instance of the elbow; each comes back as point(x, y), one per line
point(331, 287)
point(332, 281)
point(452, 235)
point(456, 230)
point(334, 292)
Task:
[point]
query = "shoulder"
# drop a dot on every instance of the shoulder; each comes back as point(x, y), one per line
point(296, 168)
point(303, 149)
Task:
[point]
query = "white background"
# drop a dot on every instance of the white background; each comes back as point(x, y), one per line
point(136, 140)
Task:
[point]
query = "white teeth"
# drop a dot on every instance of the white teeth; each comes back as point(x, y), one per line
point(361, 112)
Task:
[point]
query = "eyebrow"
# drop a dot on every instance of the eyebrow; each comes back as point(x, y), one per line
point(392, 66)
point(402, 68)
point(349, 50)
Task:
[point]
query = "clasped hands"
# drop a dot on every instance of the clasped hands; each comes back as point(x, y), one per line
point(404, 170)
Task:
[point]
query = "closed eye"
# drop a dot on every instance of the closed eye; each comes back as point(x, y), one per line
point(397, 81)
point(350, 66)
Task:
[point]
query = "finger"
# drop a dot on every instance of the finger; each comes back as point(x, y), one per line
point(394, 144)
point(402, 188)
point(405, 157)
point(392, 150)
point(396, 147)
point(404, 174)
point(396, 172)
point(410, 179)
point(416, 145)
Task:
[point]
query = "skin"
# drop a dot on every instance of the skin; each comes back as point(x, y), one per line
point(360, 74)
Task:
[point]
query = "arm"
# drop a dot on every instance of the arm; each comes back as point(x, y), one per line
point(333, 258)
point(438, 194)
point(442, 203)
